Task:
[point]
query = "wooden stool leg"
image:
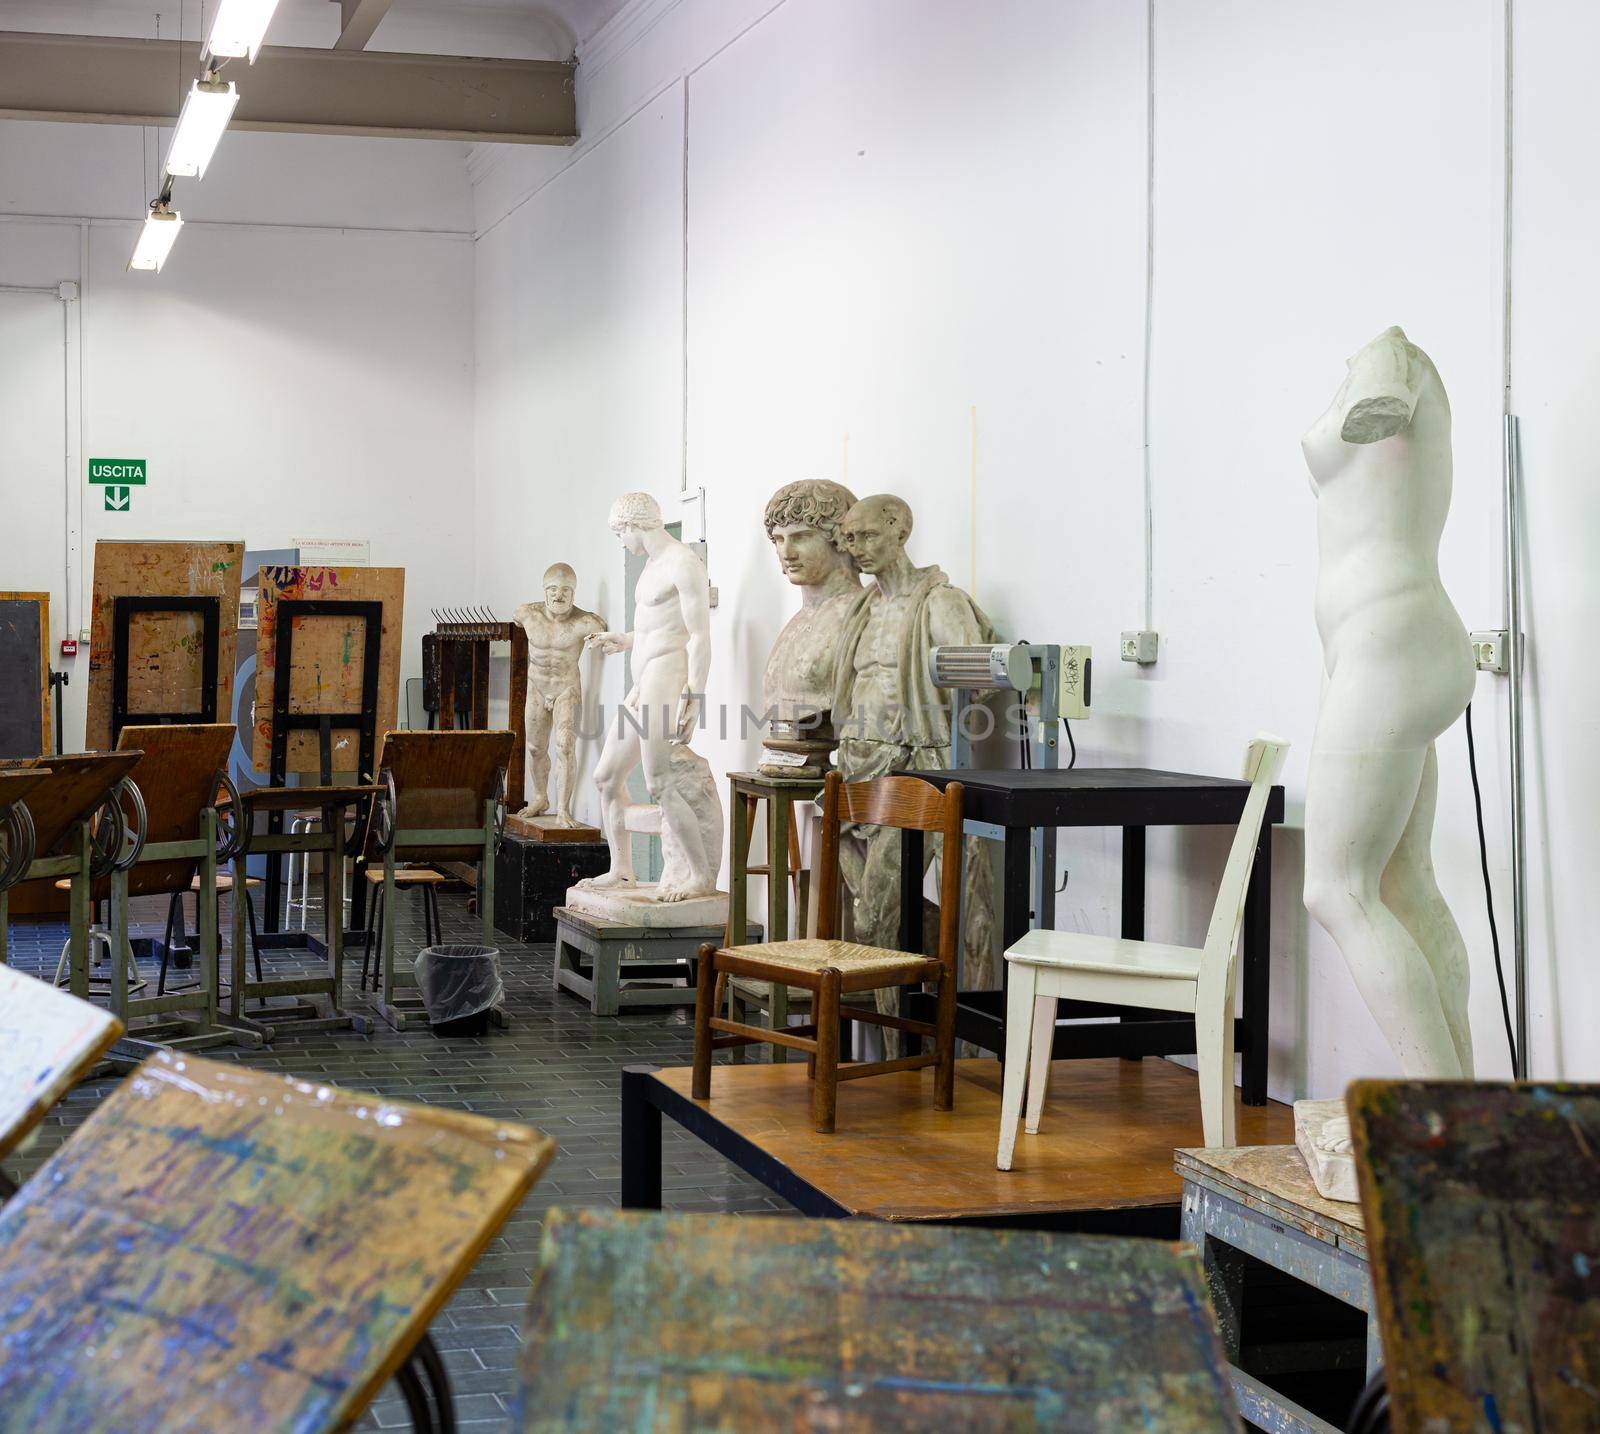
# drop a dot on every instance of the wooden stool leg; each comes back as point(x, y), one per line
point(705, 1003)
point(825, 1088)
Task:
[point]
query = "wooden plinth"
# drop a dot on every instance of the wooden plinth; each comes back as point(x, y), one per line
point(547, 829)
point(1105, 1143)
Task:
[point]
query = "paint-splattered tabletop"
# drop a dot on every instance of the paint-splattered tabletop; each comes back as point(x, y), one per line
point(222, 1249)
point(48, 1039)
point(646, 1322)
point(1483, 1225)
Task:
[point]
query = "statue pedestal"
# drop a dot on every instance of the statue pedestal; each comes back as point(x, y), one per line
point(640, 906)
point(1333, 1172)
point(548, 828)
point(531, 878)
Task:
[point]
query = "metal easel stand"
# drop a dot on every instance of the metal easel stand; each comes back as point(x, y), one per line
point(399, 1002)
point(191, 1020)
point(300, 1015)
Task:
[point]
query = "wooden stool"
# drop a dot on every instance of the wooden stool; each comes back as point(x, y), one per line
point(424, 879)
point(745, 791)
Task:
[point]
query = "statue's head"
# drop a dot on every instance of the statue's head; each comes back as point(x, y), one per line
point(805, 521)
point(875, 531)
point(560, 583)
point(633, 515)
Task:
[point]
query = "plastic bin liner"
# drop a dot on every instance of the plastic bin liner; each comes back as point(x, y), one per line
point(459, 981)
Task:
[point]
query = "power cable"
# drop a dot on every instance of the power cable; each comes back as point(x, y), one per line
point(1488, 897)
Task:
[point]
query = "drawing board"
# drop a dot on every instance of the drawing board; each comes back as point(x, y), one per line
point(24, 650)
point(328, 658)
point(165, 653)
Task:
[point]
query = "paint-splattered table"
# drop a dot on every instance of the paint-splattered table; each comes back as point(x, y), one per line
point(1257, 1203)
point(1485, 1230)
point(654, 1322)
point(219, 1248)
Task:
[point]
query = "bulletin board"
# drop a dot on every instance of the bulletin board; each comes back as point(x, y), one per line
point(164, 655)
point(328, 671)
point(24, 650)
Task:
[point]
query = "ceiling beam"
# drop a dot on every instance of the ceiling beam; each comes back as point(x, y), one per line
point(360, 18)
point(97, 79)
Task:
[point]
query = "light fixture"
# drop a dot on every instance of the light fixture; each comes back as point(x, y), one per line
point(157, 238)
point(239, 28)
point(201, 122)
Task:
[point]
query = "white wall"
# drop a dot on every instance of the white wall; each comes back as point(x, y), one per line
point(902, 213)
point(301, 369)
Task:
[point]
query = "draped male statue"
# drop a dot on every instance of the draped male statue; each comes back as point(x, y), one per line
point(894, 717)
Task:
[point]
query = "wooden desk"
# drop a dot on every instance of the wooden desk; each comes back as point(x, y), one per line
point(1259, 1203)
point(48, 1042)
point(1102, 1159)
point(669, 1322)
point(219, 1248)
point(1484, 1226)
point(1010, 805)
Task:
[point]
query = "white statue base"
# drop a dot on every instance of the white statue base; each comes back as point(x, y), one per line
point(641, 906)
point(1322, 1135)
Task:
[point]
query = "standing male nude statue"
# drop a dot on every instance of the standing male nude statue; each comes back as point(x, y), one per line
point(557, 631)
point(671, 647)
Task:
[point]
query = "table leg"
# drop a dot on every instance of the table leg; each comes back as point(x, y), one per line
point(237, 953)
point(1016, 886)
point(641, 1142)
point(1133, 865)
point(1256, 953)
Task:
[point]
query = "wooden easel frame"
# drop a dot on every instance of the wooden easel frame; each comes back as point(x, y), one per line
point(284, 722)
point(447, 652)
point(123, 610)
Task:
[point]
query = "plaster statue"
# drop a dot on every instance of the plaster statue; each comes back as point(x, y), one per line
point(671, 646)
point(557, 631)
point(805, 522)
point(895, 717)
point(1399, 672)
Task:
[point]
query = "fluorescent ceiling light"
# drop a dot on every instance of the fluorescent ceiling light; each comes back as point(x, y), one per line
point(240, 27)
point(157, 238)
point(201, 123)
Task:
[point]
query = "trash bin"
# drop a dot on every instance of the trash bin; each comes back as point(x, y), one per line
point(460, 985)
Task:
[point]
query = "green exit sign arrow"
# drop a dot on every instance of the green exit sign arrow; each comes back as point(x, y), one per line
point(119, 499)
point(118, 471)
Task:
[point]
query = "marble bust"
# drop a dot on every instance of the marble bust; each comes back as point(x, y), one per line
point(805, 523)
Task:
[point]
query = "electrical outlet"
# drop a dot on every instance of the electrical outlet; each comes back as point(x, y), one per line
point(1139, 647)
point(1491, 651)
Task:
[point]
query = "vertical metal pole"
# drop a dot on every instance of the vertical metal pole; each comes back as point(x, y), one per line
point(1519, 855)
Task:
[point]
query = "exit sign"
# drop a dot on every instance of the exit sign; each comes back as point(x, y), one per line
point(120, 471)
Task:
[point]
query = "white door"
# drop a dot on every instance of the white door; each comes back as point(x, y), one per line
point(33, 455)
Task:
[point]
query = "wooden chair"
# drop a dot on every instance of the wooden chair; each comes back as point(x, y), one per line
point(831, 969)
point(1049, 965)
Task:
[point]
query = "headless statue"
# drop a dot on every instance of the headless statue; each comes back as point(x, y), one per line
point(671, 647)
point(557, 631)
point(893, 717)
point(1399, 672)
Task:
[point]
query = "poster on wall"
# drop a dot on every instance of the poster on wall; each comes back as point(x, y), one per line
point(334, 552)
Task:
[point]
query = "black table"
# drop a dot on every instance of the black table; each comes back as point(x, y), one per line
point(1012, 804)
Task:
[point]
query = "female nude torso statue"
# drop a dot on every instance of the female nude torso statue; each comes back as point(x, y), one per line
point(1399, 672)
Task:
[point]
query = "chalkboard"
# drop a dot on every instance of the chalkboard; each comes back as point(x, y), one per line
point(24, 718)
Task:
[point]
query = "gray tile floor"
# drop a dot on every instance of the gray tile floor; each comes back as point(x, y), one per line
point(555, 1067)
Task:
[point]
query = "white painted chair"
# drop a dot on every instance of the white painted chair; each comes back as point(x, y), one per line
point(1046, 966)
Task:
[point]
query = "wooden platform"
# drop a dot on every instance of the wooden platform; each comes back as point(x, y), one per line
point(1105, 1145)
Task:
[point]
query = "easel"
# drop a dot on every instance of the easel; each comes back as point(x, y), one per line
point(335, 682)
point(61, 810)
point(182, 767)
point(124, 609)
point(440, 781)
point(328, 841)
